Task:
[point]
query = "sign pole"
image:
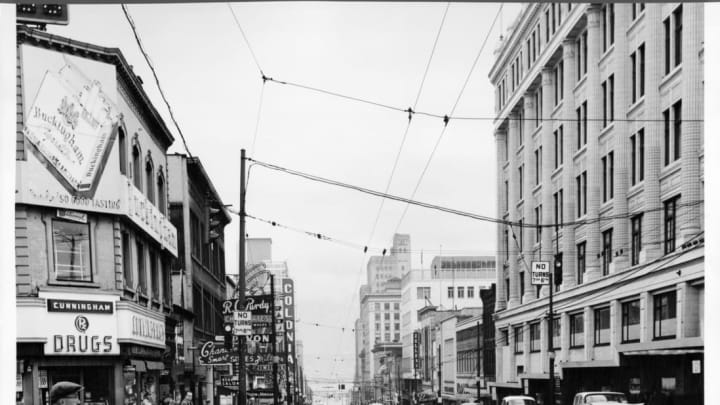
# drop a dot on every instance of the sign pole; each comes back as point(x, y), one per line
point(273, 341)
point(551, 321)
point(241, 281)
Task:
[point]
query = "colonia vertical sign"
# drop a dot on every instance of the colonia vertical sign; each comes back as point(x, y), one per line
point(288, 289)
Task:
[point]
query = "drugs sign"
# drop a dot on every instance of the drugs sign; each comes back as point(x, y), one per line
point(540, 273)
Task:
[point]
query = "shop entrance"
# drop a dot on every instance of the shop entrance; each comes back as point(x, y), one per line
point(96, 380)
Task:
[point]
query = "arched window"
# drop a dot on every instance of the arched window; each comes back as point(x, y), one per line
point(122, 150)
point(137, 172)
point(149, 183)
point(161, 192)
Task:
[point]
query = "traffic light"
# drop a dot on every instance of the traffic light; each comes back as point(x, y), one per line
point(227, 331)
point(35, 13)
point(557, 272)
point(215, 223)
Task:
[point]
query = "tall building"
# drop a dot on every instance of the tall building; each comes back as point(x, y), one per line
point(380, 269)
point(197, 211)
point(94, 246)
point(599, 128)
point(452, 282)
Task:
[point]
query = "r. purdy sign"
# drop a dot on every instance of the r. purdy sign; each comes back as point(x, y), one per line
point(256, 304)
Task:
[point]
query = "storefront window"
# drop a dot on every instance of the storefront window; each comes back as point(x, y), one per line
point(631, 321)
point(72, 251)
point(96, 380)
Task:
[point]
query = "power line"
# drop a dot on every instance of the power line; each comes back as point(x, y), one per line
point(157, 81)
point(246, 40)
point(446, 119)
point(455, 211)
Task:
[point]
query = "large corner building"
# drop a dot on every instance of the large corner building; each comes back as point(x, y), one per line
point(599, 129)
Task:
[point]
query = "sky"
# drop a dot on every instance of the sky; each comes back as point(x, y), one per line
point(373, 51)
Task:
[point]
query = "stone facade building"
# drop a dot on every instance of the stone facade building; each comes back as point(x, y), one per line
point(599, 135)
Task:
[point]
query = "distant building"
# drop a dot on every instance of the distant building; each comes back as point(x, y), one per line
point(395, 264)
point(599, 135)
point(199, 278)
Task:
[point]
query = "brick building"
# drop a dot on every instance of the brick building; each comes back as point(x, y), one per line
point(93, 243)
point(598, 128)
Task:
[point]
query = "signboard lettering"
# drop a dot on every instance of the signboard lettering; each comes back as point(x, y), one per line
point(540, 273)
point(92, 307)
point(210, 353)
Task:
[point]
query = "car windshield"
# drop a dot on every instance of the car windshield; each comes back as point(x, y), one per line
point(519, 401)
point(605, 397)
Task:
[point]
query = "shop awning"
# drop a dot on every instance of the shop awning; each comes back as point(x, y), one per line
point(139, 365)
point(663, 352)
point(155, 365)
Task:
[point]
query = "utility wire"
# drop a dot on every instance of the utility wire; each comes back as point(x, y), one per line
point(157, 81)
point(246, 40)
point(446, 119)
point(257, 120)
point(451, 210)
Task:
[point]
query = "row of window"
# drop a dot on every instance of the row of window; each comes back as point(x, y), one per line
point(396, 316)
point(208, 311)
point(466, 361)
point(210, 254)
point(387, 327)
point(607, 253)
point(386, 306)
point(461, 292)
point(664, 325)
point(154, 183)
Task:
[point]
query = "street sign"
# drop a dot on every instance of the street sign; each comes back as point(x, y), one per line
point(540, 273)
point(229, 381)
point(242, 316)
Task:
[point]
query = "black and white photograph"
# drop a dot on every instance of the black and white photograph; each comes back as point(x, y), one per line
point(358, 203)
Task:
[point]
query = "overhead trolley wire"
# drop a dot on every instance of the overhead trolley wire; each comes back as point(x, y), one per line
point(242, 32)
point(157, 81)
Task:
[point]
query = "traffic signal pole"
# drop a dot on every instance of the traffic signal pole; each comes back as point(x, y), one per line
point(557, 265)
point(241, 281)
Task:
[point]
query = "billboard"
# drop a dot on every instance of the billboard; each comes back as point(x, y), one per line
point(70, 120)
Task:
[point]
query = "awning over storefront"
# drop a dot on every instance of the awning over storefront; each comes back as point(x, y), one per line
point(591, 363)
point(663, 352)
point(155, 365)
point(139, 365)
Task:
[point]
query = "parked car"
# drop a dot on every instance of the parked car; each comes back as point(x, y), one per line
point(518, 400)
point(600, 397)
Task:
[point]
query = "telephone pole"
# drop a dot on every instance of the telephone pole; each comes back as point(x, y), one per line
point(273, 341)
point(477, 361)
point(241, 281)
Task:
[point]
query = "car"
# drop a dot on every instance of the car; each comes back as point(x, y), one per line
point(518, 400)
point(599, 397)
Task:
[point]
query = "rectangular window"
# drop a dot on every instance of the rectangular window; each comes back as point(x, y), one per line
point(677, 129)
point(561, 131)
point(641, 152)
point(664, 315)
point(611, 173)
point(561, 79)
point(631, 321)
point(520, 183)
point(377, 316)
point(196, 236)
point(578, 187)
point(522, 230)
point(584, 122)
point(666, 28)
point(677, 17)
point(557, 333)
point(547, 25)
point(538, 221)
point(396, 316)
point(71, 242)
point(535, 337)
point(522, 283)
point(126, 260)
point(611, 7)
point(387, 306)
point(386, 316)
point(668, 144)
point(423, 292)
point(506, 241)
point(670, 216)
point(578, 113)
point(633, 160)
point(611, 90)
point(633, 64)
point(521, 124)
point(606, 251)
point(605, 27)
point(461, 292)
point(507, 196)
point(603, 161)
point(642, 70)
point(154, 275)
point(602, 326)
point(636, 239)
point(605, 102)
point(580, 262)
point(578, 53)
point(142, 275)
point(585, 51)
point(518, 331)
point(396, 306)
point(471, 292)
point(584, 192)
point(577, 330)
point(451, 292)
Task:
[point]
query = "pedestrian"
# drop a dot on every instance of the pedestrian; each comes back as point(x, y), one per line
point(168, 400)
point(146, 399)
point(188, 399)
point(65, 393)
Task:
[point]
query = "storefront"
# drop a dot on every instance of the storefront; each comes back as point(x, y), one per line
point(110, 347)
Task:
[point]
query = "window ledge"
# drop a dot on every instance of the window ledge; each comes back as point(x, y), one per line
point(580, 152)
point(601, 344)
point(636, 21)
point(607, 53)
point(674, 72)
point(608, 128)
point(558, 106)
point(556, 171)
point(580, 82)
point(68, 283)
point(636, 105)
